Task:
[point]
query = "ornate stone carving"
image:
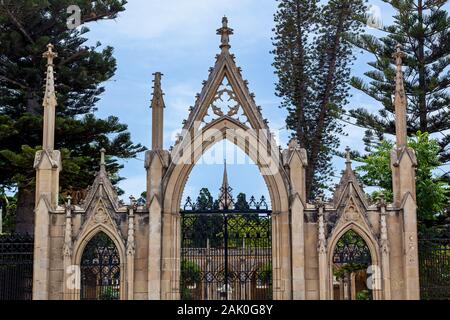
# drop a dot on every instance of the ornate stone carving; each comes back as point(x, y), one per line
point(101, 216)
point(225, 103)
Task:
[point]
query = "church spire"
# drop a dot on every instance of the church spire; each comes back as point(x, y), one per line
point(157, 107)
point(225, 33)
point(225, 185)
point(225, 198)
point(49, 102)
point(400, 100)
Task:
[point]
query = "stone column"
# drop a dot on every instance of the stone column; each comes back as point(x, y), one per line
point(322, 252)
point(385, 251)
point(70, 280)
point(131, 249)
point(403, 164)
point(155, 163)
point(47, 164)
point(296, 162)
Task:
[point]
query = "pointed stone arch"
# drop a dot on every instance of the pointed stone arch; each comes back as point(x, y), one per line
point(369, 240)
point(99, 221)
point(277, 184)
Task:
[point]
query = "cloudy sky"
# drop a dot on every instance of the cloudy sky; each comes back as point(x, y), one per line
point(178, 38)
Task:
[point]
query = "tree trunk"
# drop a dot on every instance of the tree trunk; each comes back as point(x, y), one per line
point(422, 76)
point(25, 211)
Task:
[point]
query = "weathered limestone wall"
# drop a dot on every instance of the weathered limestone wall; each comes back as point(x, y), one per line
point(311, 262)
point(395, 234)
point(57, 226)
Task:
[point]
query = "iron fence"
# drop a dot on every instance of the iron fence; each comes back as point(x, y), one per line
point(434, 267)
point(16, 267)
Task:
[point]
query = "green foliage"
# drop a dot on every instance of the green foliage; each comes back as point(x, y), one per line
point(8, 205)
point(422, 28)
point(27, 27)
point(190, 275)
point(431, 189)
point(312, 61)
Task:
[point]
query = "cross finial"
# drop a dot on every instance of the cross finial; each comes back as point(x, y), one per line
point(50, 55)
point(225, 33)
point(399, 55)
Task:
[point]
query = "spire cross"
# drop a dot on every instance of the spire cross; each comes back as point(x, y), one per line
point(225, 33)
point(50, 55)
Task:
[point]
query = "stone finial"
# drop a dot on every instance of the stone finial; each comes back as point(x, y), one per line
point(348, 159)
point(102, 159)
point(400, 101)
point(225, 33)
point(381, 201)
point(49, 103)
point(132, 200)
point(157, 107)
point(157, 101)
point(69, 200)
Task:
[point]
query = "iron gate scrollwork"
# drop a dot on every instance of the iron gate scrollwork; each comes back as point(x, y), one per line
point(100, 270)
point(226, 250)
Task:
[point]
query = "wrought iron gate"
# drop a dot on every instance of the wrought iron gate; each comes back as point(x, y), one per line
point(16, 267)
point(226, 250)
point(100, 270)
point(434, 267)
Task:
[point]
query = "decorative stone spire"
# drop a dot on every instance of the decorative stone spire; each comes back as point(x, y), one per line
point(225, 198)
point(400, 100)
point(157, 107)
point(49, 102)
point(225, 33)
point(225, 176)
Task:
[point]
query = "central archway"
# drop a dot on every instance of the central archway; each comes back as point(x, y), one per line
point(265, 154)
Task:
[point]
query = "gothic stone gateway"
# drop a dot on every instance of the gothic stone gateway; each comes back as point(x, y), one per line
point(144, 241)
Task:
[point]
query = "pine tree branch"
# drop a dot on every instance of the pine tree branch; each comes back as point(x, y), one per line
point(18, 24)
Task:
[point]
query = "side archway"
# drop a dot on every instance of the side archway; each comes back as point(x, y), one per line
point(354, 262)
point(100, 258)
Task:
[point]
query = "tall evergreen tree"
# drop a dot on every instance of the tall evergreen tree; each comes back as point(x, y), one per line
point(27, 26)
point(312, 61)
point(422, 28)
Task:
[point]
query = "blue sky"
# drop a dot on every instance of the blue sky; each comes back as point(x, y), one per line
point(178, 38)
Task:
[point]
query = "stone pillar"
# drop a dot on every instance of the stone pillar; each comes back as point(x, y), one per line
point(157, 113)
point(296, 162)
point(130, 250)
point(403, 164)
point(385, 252)
point(47, 164)
point(322, 252)
point(155, 164)
point(70, 274)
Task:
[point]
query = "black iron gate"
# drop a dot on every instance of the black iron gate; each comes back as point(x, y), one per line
point(16, 267)
point(226, 250)
point(434, 267)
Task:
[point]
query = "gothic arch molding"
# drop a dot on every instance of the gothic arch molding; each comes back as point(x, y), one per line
point(83, 241)
point(369, 240)
point(225, 128)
